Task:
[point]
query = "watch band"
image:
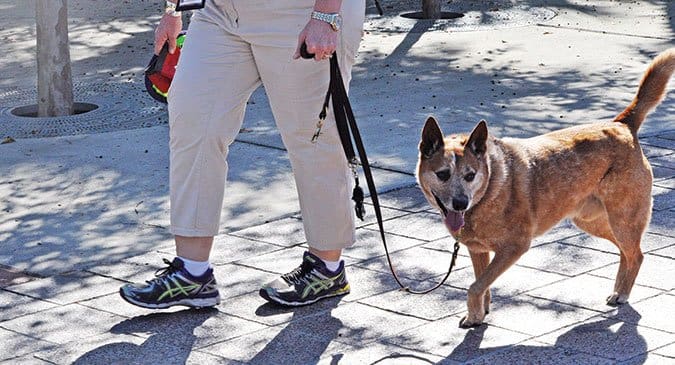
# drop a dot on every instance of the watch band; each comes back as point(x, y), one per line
point(331, 18)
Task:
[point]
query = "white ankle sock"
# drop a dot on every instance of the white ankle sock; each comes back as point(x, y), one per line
point(195, 268)
point(332, 265)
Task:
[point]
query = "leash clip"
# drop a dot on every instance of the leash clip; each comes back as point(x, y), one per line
point(319, 125)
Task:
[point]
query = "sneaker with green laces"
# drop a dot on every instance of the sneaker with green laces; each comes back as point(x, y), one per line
point(307, 284)
point(173, 285)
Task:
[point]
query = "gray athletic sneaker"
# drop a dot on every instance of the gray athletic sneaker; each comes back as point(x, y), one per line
point(173, 285)
point(310, 282)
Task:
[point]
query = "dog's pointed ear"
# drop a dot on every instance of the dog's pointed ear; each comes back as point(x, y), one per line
point(432, 138)
point(477, 142)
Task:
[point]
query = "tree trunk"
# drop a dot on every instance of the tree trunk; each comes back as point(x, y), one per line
point(431, 9)
point(55, 81)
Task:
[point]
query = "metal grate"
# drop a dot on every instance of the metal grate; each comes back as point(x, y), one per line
point(120, 107)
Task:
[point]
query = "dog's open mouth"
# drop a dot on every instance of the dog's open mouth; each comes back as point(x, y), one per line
point(453, 220)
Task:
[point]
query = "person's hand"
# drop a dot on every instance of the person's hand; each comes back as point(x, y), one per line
point(168, 29)
point(320, 38)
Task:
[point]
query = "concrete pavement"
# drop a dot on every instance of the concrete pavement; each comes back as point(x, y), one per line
point(84, 205)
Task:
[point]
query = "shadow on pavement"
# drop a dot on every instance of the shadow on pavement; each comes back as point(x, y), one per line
point(304, 339)
point(606, 338)
point(171, 339)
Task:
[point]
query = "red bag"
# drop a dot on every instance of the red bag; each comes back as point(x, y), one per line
point(161, 69)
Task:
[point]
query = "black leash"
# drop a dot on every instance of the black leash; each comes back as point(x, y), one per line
point(379, 7)
point(347, 129)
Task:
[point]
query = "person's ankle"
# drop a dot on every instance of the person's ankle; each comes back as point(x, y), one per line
point(195, 268)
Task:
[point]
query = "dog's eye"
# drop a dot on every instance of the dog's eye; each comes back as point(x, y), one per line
point(469, 177)
point(443, 175)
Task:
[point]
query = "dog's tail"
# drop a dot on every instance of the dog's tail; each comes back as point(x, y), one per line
point(651, 91)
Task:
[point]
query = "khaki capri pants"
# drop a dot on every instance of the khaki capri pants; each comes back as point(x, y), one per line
point(233, 47)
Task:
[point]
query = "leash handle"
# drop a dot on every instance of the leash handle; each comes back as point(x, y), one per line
point(303, 52)
point(346, 123)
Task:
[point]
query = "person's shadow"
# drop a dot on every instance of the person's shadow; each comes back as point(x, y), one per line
point(607, 338)
point(305, 338)
point(171, 339)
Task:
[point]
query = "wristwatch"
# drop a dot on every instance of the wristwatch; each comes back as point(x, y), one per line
point(170, 9)
point(334, 19)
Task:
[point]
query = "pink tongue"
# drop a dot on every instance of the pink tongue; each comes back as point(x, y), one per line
point(454, 221)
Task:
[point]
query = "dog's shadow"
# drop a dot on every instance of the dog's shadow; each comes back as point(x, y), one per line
point(609, 338)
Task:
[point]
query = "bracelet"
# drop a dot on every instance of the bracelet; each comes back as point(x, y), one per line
point(170, 9)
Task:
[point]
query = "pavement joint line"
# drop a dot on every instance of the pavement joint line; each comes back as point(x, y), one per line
point(659, 255)
point(33, 297)
point(603, 32)
point(27, 335)
point(590, 248)
point(398, 313)
point(604, 277)
point(553, 272)
point(372, 166)
point(266, 242)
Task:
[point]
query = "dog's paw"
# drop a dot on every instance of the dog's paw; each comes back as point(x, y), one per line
point(466, 323)
point(616, 299)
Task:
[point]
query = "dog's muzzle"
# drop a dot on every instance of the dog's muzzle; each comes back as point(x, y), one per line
point(453, 220)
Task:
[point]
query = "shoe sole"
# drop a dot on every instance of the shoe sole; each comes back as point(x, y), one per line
point(192, 303)
point(263, 293)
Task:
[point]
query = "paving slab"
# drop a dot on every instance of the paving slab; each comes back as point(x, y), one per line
point(667, 351)
point(414, 264)
point(271, 346)
point(445, 338)
point(57, 324)
point(532, 316)
point(256, 309)
point(378, 353)
point(14, 305)
point(24, 360)
point(68, 288)
point(182, 331)
point(516, 280)
point(589, 291)
point(440, 303)
point(565, 259)
point(112, 303)
point(422, 226)
point(369, 244)
point(530, 352)
point(16, 344)
point(655, 272)
point(648, 313)
point(667, 252)
point(364, 283)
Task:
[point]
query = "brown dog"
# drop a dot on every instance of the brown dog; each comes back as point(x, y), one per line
point(499, 194)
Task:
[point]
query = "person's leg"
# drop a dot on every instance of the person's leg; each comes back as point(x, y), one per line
point(296, 90)
point(215, 76)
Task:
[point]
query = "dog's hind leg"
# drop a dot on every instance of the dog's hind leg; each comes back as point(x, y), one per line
point(628, 222)
point(480, 261)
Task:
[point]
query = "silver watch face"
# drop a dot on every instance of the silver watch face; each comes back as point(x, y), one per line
point(337, 22)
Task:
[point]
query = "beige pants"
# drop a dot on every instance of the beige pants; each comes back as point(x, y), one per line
point(234, 46)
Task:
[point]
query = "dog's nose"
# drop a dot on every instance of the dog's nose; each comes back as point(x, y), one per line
point(459, 203)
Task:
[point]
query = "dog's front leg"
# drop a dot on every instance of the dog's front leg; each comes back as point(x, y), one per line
point(480, 261)
point(503, 259)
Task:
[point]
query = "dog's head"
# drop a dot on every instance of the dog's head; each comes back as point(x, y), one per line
point(453, 171)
